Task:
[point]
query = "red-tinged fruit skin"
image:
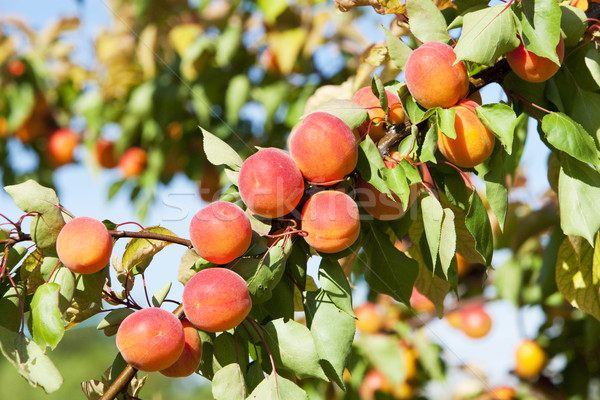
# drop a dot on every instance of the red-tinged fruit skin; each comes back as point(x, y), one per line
point(331, 220)
point(84, 245)
point(324, 148)
point(374, 381)
point(476, 323)
point(190, 357)
point(531, 67)
point(220, 232)
point(421, 303)
point(216, 300)
point(105, 153)
point(431, 77)
point(16, 68)
point(133, 162)
point(531, 359)
point(270, 183)
point(61, 146)
point(474, 142)
point(369, 318)
point(151, 339)
point(375, 126)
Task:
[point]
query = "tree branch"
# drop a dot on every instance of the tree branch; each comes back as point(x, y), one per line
point(151, 235)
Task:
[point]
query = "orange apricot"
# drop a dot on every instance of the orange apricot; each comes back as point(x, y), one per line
point(531, 67)
point(270, 183)
point(216, 299)
point(133, 162)
point(376, 124)
point(374, 381)
point(369, 318)
point(432, 77)
point(151, 339)
point(324, 148)
point(61, 146)
point(84, 245)
point(220, 232)
point(530, 358)
point(503, 393)
point(331, 220)
point(476, 322)
point(190, 357)
point(104, 150)
point(421, 303)
point(474, 142)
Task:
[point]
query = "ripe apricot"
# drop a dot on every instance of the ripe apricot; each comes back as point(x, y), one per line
point(270, 183)
point(374, 381)
point(369, 318)
point(84, 245)
point(104, 150)
point(531, 359)
point(190, 357)
point(151, 339)
point(476, 323)
point(61, 146)
point(503, 393)
point(432, 77)
point(331, 220)
point(463, 265)
point(376, 125)
point(474, 142)
point(421, 303)
point(216, 300)
point(220, 232)
point(531, 67)
point(324, 148)
point(133, 162)
point(16, 68)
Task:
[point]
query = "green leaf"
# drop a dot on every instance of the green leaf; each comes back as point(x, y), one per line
point(433, 215)
point(114, 318)
point(389, 270)
point(22, 101)
point(333, 332)
point(336, 285)
point(186, 265)
point(161, 295)
point(447, 241)
point(272, 8)
point(445, 121)
point(478, 224)
point(395, 178)
point(385, 354)
point(275, 387)
point(30, 361)
point(220, 153)
point(578, 274)
point(496, 191)
point(370, 164)
point(487, 34)
point(429, 146)
point(10, 308)
point(509, 280)
point(592, 61)
point(379, 91)
point(426, 21)
point(540, 22)
point(228, 383)
point(573, 23)
point(228, 43)
point(430, 285)
point(397, 49)
point(429, 356)
point(500, 119)
point(567, 135)
point(227, 352)
point(238, 90)
point(578, 194)
point(254, 375)
point(293, 348)
point(346, 110)
point(140, 251)
point(47, 326)
point(66, 280)
point(30, 196)
point(586, 111)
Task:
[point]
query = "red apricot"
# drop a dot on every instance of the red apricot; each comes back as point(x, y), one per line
point(531, 359)
point(105, 153)
point(324, 148)
point(84, 245)
point(476, 323)
point(421, 303)
point(376, 125)
point(190, 357)
point(270, 183)
point(61, 146)
point(368, 318)
point(331, 220)
point(216, 299)
point(16, 68)
point(432, 77)
point(133, 162)
point(151, 339)
point(474, 142)
point(531, 67)
point(374, 381)
point(220, 232)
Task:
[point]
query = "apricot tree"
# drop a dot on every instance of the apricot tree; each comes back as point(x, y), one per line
point(399, 183)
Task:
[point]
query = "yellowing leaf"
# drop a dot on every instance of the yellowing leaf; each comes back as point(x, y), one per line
point(287, 46)
point(182, 36)
point(139, 251)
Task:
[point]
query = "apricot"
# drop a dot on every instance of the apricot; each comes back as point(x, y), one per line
point(84, 245)
point(216, 300)
point(220, 232)
point(454, 318)
point(104, 150)
point(368, 318)
point(331, 220)
point(190, 357)
point(432, 77)
point(61, 146)
point(151, 339)
point(374, 381)
point(503, 393)
point(133, 162)
point(210, 184)
point(476, 323)
point(474, 142)
point(421, 303)
point(531, 67)
point(16, 68)
point(376, 125)
point(270, 183)
point(531, 359)
point(463, 265)
point(324, 148)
